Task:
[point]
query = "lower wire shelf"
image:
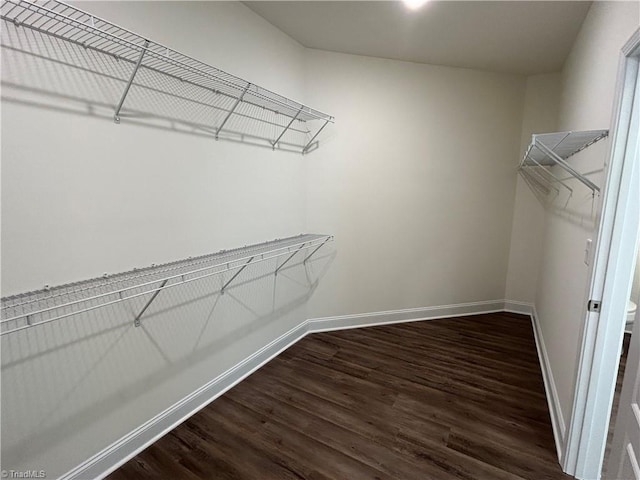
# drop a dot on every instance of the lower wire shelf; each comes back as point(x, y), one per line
point(23, 311)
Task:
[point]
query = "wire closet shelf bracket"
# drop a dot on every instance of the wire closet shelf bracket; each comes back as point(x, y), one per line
point(23, 311)
point(231, 106)
point(548, 150)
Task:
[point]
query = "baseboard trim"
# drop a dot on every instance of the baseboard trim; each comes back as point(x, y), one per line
point(328, 324)
point(555, 410)
point(522, 308)
point(106, 461)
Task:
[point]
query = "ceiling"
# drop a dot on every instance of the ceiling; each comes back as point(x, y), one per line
point(524, 37)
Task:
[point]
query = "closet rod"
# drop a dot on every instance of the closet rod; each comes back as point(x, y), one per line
point(577, 175)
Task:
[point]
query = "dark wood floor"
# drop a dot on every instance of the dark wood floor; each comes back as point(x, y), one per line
point(447, 399)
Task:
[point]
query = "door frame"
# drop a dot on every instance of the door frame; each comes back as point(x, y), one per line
point(610, 280)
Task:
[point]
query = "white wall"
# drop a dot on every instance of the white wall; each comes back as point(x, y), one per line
point(588, 87)
point(82, 196)
point(541, 103)
point(126, 185)
point(416, 180)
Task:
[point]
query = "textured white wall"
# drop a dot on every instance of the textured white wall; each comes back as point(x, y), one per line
point(588, 89)
point(541, 103)
point(82, 196)
point(416, 180)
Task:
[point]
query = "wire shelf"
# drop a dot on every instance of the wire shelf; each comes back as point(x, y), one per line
point(547, 150)
point(147, 72)
point(31, 309)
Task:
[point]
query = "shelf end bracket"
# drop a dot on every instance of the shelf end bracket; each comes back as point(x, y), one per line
point(308, 145)
point(116, 116)
point(316, 249)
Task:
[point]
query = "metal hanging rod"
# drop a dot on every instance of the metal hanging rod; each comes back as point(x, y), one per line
point(553, 149)
point(547, 176)
point(31, 314)
point(65, 22)
point(536, 185)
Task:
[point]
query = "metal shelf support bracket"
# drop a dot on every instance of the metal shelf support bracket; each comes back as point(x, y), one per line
point(235, 275)
point(235, 105)
point(316, 249)
point(304, 150)
point(136, 322)
point(116, 116)
point(289, 258)
point(275, 142)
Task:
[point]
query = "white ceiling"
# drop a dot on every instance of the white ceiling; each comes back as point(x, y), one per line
point(525, 37)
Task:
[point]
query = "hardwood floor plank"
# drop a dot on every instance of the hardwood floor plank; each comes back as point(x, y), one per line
point(343, 439)
point(449, 399)
point(476, 419)
point(307, 451)
point(461, 381)
point(504, 456)
point(404, 429)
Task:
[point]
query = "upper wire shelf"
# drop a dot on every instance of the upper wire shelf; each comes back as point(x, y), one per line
point(224, 104)
point(547, 150)
point(32, 309)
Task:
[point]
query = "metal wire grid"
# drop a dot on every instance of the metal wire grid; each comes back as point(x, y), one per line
point(191, 91)
point(35, 308)
point(47, 64)
point(54, 66)
point(550, 149)
point(564, 144)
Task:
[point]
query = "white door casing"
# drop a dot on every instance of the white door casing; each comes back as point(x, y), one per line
point(624, 462)
point(611, 277)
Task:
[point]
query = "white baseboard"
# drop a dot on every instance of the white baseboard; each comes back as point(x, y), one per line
point(555, 410)
point(106, 461)
point(360, 320)
point(522, 308)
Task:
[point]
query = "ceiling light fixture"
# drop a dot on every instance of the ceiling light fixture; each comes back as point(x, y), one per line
point(414, 4)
